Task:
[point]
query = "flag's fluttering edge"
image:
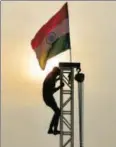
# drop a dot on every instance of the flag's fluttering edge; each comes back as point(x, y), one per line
point(53, 38)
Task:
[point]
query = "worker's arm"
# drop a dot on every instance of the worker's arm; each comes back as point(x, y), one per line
point(58, 78)
point(59, 87)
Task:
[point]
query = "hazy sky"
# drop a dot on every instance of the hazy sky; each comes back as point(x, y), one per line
point(25, 118)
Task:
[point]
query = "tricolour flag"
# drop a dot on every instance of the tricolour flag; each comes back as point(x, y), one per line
point(53, 38)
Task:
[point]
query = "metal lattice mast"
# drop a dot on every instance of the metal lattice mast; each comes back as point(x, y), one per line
point(67, 104)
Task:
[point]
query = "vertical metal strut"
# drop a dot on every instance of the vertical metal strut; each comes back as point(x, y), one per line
point(80, 106)
point(79, 77)
point(67, 104)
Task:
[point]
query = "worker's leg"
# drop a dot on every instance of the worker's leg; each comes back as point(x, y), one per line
point(55, 118)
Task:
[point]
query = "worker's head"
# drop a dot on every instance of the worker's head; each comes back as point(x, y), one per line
point(56, 70)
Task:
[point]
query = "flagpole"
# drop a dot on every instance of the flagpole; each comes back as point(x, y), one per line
point(70, 55)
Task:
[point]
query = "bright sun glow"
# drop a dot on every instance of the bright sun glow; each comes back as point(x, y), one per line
point(35, 72)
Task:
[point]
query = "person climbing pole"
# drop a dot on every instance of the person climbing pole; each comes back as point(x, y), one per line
point(48, 90)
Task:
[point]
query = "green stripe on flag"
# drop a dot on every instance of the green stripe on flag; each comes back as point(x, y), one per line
point(60, 45)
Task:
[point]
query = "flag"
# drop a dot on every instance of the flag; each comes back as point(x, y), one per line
point(53, 38)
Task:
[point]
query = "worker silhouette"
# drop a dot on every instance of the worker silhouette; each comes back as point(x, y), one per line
point(48, 90)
